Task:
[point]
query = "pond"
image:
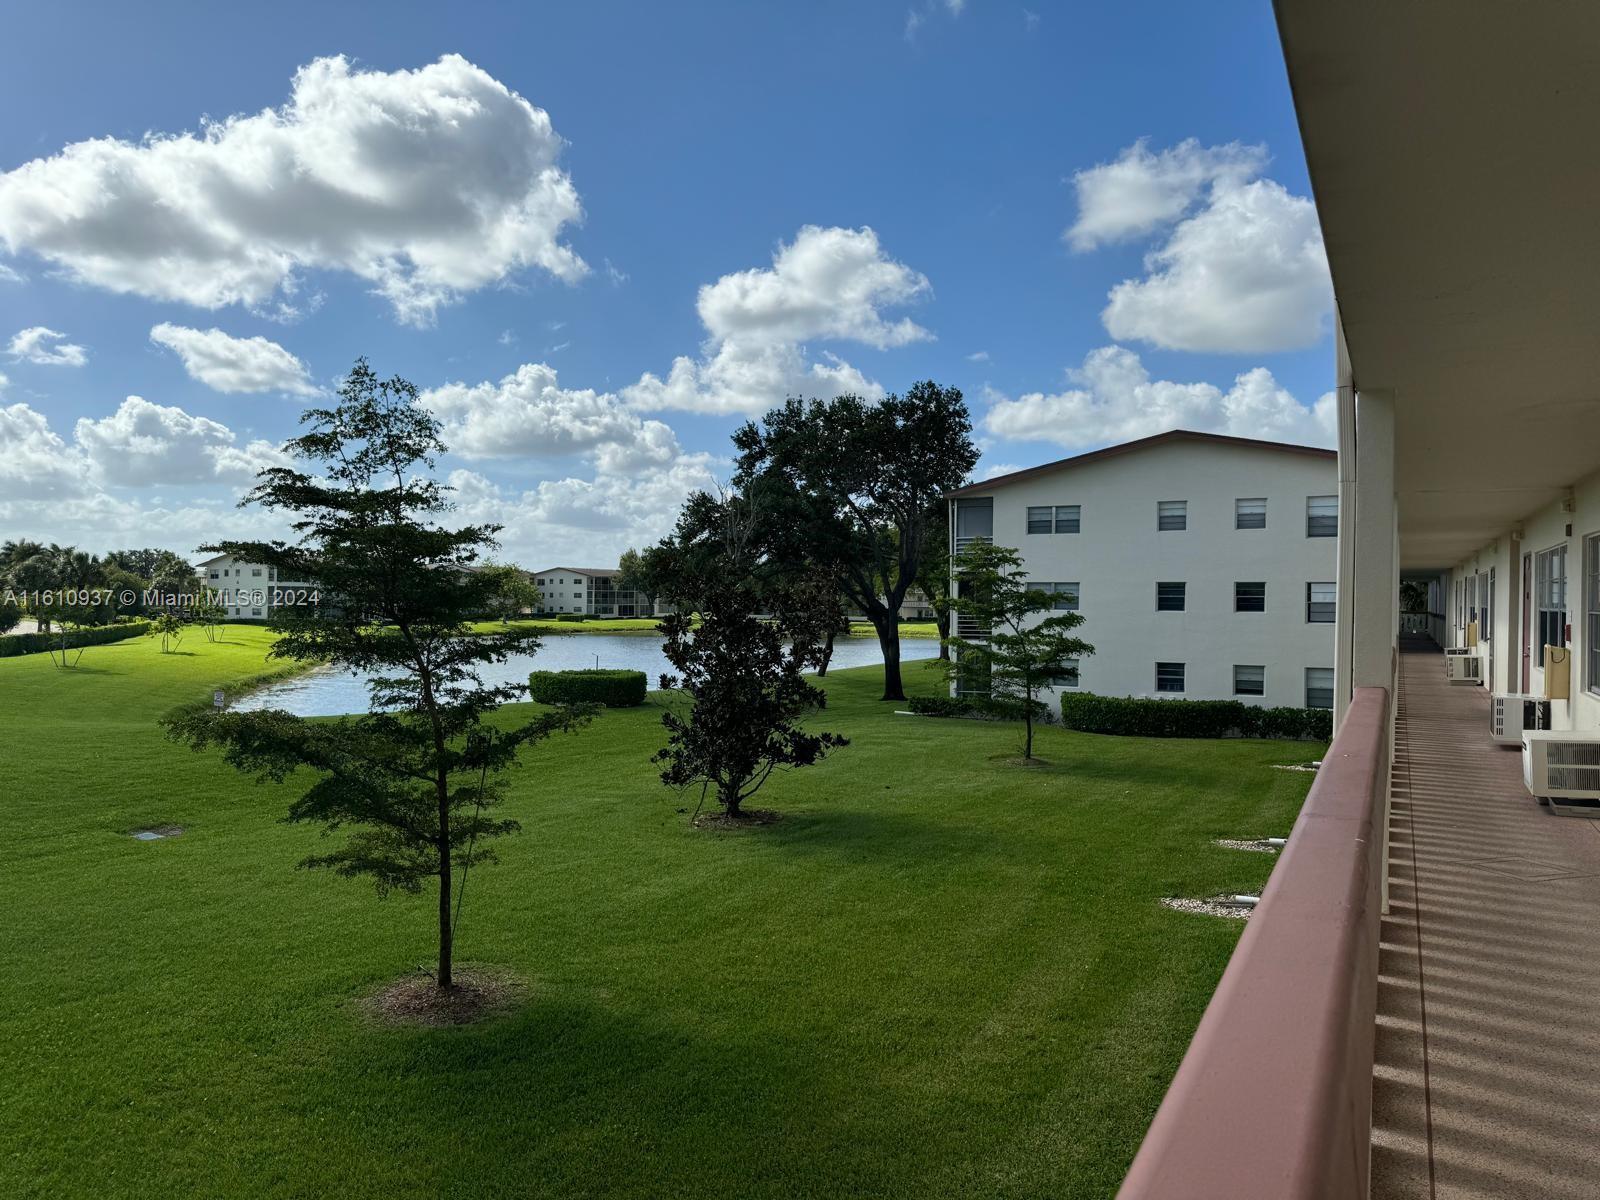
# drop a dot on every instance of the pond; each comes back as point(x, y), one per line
point(327, 692)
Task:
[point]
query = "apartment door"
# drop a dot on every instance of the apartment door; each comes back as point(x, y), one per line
point(1527, 622)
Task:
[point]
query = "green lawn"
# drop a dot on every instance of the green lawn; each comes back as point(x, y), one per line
point(941, 975)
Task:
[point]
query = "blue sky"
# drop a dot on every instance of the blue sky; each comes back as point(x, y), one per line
point(926, 173)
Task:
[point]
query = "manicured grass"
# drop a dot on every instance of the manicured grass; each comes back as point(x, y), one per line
point(940, 975)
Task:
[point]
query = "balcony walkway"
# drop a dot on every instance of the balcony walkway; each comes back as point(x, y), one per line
point(1487, 1074)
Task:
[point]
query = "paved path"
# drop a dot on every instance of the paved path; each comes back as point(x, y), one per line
point(1487, 1082)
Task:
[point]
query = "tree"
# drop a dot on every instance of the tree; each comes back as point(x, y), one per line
point(855, 482)
point(209, 613)
point(10, 612)
point(634, 575)
point(746, 694)
point(169, 628)
point(14, 552)
point(1413, 596)
point(512, 594)
point(149, 563)
point(66, 590)
point(745, 687)
point(417, 777)
point(1018, 654)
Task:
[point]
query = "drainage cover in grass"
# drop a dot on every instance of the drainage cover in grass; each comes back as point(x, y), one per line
point(156, 833)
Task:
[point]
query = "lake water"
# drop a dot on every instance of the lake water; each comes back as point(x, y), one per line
point(327, 692)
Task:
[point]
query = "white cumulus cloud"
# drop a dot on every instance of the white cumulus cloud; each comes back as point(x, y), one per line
point(1138, 191)
point(1116, 400)
point(828, 284)
point(144, 444)
point(35, 464)
point(529, 414)
point(427, 183)
point(1241, 269)
point(233, 364)
point(46, 348)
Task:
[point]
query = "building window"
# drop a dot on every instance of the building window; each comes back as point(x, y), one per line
point(1169, 597)
point(1250, 597)
point(1550, 597)
point(1322, 516)
point(1486, 623)
point(1591, 606)
point(1249, 681)
point(213, 575)
point(1250, 514)
point(1319, 687)
point(255, 612)
point(1068, 676)
point(974, 521)
point(1169, 677)
point(1320, 599)
point(1054, 518)
point(255, 572)
point(1172, 514)
point(1066, 595)
point(1472, 599)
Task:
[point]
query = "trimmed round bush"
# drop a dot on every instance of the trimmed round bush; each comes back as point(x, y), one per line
point(614, 689)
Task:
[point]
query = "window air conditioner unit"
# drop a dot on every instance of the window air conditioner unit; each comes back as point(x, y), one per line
point(1564, 769)
point(1463, 668)
point(1512, 714)
point(1458, 651)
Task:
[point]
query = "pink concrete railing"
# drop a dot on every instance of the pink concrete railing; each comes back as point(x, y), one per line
point(1273, 1099)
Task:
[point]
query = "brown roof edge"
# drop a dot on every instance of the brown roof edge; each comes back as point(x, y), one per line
point(578, 570)
point(1171, 435)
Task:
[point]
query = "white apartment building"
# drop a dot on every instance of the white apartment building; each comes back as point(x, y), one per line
point(592, 591)
point(249, 591)
point(1205, 566)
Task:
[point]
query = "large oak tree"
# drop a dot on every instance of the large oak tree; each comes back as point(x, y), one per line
point(857, 482)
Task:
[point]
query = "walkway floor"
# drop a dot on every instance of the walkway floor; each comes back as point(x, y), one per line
point(1487, 1081)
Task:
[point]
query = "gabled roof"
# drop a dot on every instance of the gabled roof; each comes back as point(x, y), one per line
point(1172, 435)
point(580, 570)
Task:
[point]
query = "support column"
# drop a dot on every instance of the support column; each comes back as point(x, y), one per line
point(1345, 608)
point(1375, 583)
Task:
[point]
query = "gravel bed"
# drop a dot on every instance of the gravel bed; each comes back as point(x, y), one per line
point(1260, 845)
point(1209, 908)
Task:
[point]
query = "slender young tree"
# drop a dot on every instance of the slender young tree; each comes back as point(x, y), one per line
point(416, 778)
point(856, 481)
point(1019, 654)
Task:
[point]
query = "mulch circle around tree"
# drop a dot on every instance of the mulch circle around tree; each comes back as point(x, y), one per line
point(478, 994)
point(750, 818)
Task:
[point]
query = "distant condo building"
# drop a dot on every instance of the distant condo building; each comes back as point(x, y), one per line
point(250, 591)
point(591, 591)
point(1204, 565)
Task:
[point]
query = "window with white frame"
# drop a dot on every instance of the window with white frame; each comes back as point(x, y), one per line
point(1169, 677)
point(1486, 606)
point(1550, 597)
point(1054, 518)
point(1170, 596)
point(1472, 598)
point(1591, 610)
point(1319, 687)
point(1066, 595)
point(1249, 680)
point(1322, 516)
point(1172, 514)
point(1250, 597)
point(1320, 600)
point(1250, 514)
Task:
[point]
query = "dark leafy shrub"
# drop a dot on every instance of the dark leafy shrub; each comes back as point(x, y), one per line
point(1129, 717)
point(614, 689)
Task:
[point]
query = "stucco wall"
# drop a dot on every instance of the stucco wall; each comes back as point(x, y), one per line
point(1119, 556)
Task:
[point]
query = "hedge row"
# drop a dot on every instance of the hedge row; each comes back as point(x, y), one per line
point(1129, 717)
point(614, 689)
point(14, 644)
point(969, 706)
